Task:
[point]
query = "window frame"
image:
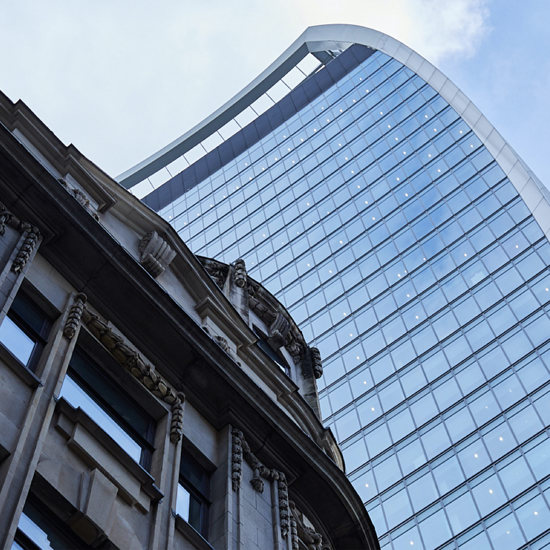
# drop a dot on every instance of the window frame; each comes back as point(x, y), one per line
point(201, 495)
point(21, 304)
point(55, 526)
point(146, 441)
point(275, 355)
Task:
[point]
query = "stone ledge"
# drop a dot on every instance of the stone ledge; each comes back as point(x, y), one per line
point(99, 450)
point(26, 375)
point(191, 534)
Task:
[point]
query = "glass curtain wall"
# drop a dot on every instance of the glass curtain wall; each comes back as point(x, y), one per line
point(379, 219)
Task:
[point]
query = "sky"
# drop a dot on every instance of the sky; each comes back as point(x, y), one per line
point(122, 78)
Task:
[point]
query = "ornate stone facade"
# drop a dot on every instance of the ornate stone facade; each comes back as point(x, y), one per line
point(155, 253)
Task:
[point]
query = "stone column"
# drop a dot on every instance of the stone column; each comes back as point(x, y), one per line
point(19, 467)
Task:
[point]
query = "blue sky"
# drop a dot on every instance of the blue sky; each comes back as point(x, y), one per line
point(508, 78)
point(122, 79)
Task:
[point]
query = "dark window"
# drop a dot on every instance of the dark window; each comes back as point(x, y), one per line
point(39, 529)
point(24, 330)
point(193, 493)
point(87, 386)
point(273, 354)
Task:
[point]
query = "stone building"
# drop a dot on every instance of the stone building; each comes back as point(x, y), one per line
point(149, 398)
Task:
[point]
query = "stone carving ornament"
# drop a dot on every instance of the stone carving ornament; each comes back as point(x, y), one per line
point(32, 234)
point(239, 273)
point(155, 253)
point(236, 459)
point(240, 450)
point(75, 315)
point(300, 532)
point(134, 363)
point(316, 363)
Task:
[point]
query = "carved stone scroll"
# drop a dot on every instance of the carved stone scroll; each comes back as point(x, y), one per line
point(32, 234)
point(239, 273)
point(176, 424)
point(216, 270)
point(155, 253)
point(279, 331)
point(316, 363)
point(236, 458)
point(75, 314)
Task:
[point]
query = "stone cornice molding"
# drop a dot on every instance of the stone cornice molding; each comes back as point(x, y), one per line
point(65, 160)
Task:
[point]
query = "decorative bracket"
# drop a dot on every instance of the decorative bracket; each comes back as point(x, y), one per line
point(155, 253)
point(239, 273)
point(32, 235)
point(316, 362)
point(75, 314)
point(278, 331)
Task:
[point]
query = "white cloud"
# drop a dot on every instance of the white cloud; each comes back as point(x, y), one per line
point(122, 79)
point(434, 28)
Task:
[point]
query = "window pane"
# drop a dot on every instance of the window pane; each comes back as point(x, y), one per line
point(182, 502)
point(77, 397)
point(16, 340)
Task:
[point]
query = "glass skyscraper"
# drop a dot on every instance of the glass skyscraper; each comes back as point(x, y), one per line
point(410, 243)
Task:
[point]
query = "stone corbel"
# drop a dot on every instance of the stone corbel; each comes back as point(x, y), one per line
point(311, 363)
point(32, 236)
point(239, 273)
point(75, 315)
point(316, 362)
point(278, 331)
point(155, 253)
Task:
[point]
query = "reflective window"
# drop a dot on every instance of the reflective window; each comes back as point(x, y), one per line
point(193, 491)
point(38, 528)
point(461, 512)
point(88, 387)
point(24, 330)
point(407, 256)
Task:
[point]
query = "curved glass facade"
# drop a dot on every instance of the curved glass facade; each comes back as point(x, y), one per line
point(371, 210)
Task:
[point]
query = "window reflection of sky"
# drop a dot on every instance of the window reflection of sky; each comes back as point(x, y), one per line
point(16, 340)
point(77, 397)
point(383, 224)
